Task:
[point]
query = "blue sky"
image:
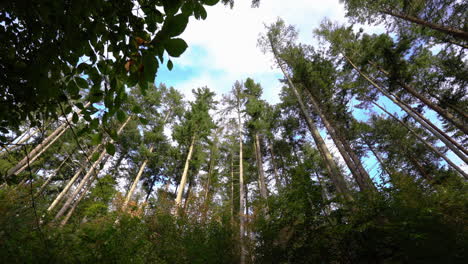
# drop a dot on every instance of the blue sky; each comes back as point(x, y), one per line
point(223, 49)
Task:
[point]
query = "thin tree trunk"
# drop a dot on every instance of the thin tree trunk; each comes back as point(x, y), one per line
point(88, 175)
point(71, 181)
point(44, 185)
point(23, 138)
point(87, 179)
point(455, 108)
point(324, 193)
point(135, 182)
point(273, 164)
point(168, 114)
point(420, 168)
point(442, 112)
point(80, 197)
point(39, 154)
point(241, 185)
point(378, 157)
point(360, 174)
point(232, 189)
point(183, 180)
point(187, 198)
point(449, 144)
point(261, 172)
point(331, 166)
point(207, 196)
point(454, 32)
point(39, 149)
point(432, 148)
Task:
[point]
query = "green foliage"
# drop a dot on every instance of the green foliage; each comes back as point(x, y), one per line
point(57, 52)
point(404, 224)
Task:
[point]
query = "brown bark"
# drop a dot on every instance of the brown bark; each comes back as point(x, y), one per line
point(261, 172)
point(454, 32)
point(360, 174)
point(463, 126)
point(331, 166)
point(432, 148)
point(420, 168)
point(275, 168)
point(450, 143)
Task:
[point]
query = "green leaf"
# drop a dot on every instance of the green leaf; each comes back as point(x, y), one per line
point(113, 134)
point(73, 89)
point(136, 109)
point(80, 106)
point(150, 64)
point(82, 83)
point(94, 124)
point(96, 139)
point(121, 116)
point(110, 148)
point(210, 2)
point(95, 157)
point(174, 26)
point(170, 65)
point(143, 121)
point(68, 110)
point(200, 12)
point(175, 47)
point(75, 118)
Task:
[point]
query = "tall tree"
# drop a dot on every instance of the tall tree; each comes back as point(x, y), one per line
point(197, 125)
point(279, 37)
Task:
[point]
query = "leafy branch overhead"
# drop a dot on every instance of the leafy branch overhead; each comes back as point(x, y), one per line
point(64, 51)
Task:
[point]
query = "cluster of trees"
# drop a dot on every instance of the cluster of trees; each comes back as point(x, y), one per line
point(107, 167)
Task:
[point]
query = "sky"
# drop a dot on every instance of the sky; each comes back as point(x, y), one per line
point(223, 49)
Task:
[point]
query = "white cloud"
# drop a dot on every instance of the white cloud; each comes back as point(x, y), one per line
point(223, 48)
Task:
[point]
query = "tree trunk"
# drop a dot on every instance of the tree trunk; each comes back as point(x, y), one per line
point(187, 198)
point(360, 174)
point(449, 144)
point(454, 32)
point(273, 163)
point(327, 208)
point(331, 166)
point(82, 195)
point(39, 154)
point(232, 189)
point(261, 172)
point(168, 114)
point(39, 149)
point(378, 157)
point(23, 138)
point(463, 126)
point(454, 108)
point(183, 180)
point(207, 196)
point(420, 168)
point(135, 182)
point(88, 175)
point(49, 179)
point(422, 140)
point(241, 186)
point(71, 181)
